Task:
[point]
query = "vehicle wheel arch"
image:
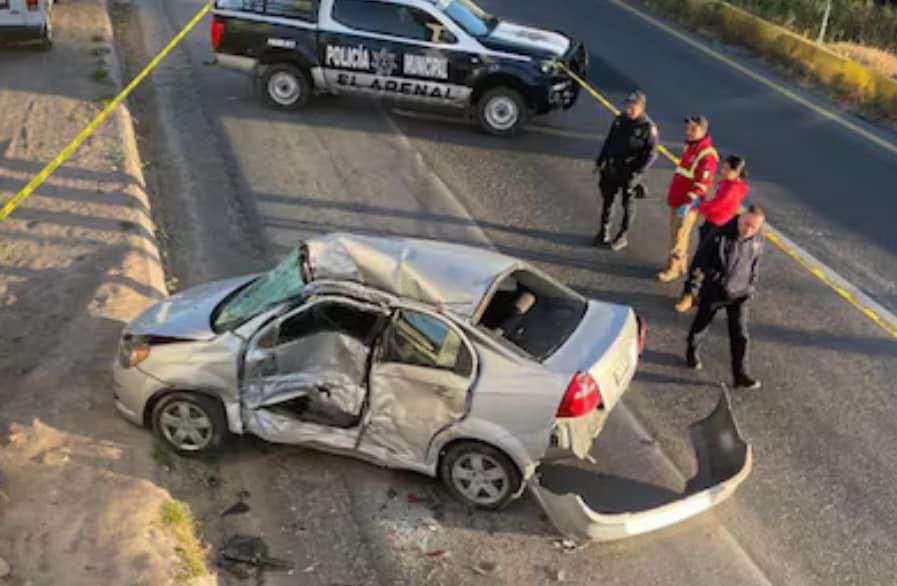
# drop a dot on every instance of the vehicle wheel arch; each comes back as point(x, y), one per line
point(501, 79)
point(151, 403)
point(295, 58)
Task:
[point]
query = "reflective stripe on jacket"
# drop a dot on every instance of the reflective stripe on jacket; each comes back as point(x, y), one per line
point(695, 172)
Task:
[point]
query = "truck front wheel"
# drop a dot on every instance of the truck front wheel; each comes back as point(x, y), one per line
point(285, 86)
point(502, 111)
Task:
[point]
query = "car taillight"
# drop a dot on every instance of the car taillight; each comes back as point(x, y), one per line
point(642, 334)
point(581, 397)
point(33, 4)
point(216, 32)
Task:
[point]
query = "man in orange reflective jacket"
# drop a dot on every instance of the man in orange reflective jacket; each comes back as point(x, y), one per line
point(691, 183)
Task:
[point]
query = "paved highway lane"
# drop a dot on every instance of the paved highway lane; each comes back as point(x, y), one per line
point(819, 507)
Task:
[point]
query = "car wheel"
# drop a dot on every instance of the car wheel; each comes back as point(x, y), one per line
point(190, 423)
point(285, 86)
point(502, 111)
point(479, 475)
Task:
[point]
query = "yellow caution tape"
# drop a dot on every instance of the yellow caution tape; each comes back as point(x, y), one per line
point(771, 235)
point(70, 149)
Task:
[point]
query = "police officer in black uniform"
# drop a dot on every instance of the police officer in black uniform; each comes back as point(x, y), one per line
point(628, 151)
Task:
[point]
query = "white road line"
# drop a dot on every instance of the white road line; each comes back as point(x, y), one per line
point(887, 145)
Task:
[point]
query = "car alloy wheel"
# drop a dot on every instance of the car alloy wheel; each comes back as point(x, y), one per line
point(186, 426)
point(286, 86)
point(479, 475)
point(480, 478)
point(502, 113)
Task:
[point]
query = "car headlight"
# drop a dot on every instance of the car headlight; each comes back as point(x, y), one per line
point(133, 350)
point(549, 66)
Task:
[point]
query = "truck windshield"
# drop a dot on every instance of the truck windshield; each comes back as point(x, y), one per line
point(473, 19)
point(280, 284)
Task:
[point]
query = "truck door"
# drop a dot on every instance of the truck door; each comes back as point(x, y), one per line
point(393, 49)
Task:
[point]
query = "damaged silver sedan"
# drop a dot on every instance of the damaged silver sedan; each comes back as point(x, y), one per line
point(452, 361)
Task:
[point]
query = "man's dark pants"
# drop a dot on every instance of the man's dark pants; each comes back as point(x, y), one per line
point(614, 181)
point(737, 313)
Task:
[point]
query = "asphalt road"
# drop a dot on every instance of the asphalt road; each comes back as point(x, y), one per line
point(236, 184)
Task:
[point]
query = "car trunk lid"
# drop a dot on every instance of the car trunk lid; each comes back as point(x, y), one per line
point(605, 344)
point(599, 507)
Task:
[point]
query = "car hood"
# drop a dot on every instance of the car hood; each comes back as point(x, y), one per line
point(186, 315)
point(518, 38)
point(724, 461)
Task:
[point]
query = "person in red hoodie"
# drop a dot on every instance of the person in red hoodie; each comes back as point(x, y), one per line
point(726, 202)
point(719, 210)
point(691, 183)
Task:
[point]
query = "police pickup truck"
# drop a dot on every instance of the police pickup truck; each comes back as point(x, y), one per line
point(441, 52)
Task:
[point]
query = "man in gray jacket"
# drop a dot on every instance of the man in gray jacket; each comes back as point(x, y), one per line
point(724, 275)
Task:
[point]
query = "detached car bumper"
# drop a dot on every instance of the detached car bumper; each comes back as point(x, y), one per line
point(724, 462)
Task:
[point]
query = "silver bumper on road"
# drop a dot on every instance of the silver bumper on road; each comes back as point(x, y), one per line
point(724, 462)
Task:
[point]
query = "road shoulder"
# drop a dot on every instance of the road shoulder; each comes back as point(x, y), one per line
point(80, 501)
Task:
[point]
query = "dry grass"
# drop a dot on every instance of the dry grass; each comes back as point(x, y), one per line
point(883, 62)
point(177, 519)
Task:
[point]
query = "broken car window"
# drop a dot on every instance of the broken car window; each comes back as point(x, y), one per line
point(329, 317)
point(280, 284)
point(533, 313)
point(422, 340)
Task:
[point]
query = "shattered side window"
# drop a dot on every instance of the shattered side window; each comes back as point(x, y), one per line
point(328, 317)
point(280, 284)
point(422, 340)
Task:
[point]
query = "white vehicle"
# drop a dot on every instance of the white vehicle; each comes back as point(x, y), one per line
point(26, 20)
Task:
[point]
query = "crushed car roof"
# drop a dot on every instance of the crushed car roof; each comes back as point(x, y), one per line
point(436, 273)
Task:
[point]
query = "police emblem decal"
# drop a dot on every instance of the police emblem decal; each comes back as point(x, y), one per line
point(384, 63)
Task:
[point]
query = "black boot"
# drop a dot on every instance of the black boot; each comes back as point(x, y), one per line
point(692, 358)
point(747, 383)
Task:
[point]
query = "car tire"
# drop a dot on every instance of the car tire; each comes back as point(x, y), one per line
point(286, 87)
point(502, 111)
point(479, 475)
point(191, 424)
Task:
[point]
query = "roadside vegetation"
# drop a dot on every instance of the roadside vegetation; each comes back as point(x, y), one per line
point(178, 521)
point(882, 61)
point(784, 32)
point(861, 22)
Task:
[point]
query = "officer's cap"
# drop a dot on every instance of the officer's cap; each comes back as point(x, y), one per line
point(637, 97)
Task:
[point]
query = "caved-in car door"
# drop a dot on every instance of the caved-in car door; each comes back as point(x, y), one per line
point(421, 374)
point(305, 376)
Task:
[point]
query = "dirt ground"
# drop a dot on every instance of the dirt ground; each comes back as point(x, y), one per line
point(79, 501)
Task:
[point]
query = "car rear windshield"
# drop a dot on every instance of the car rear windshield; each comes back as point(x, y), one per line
point(280, 284)
point(533, 313)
